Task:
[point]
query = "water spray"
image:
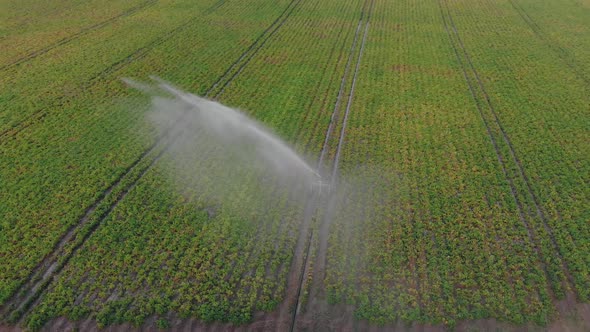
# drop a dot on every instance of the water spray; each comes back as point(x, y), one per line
point(234, 130)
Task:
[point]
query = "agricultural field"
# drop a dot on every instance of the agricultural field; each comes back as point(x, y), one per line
point(451, 139)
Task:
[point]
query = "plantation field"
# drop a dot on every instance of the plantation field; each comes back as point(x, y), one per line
point(454, 134)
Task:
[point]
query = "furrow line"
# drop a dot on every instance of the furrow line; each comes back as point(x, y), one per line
point(40, 271)
point(324, 71)
point(138, 54)
point(251, 56)
point(78, 34)
point(561, 52)
point(492, 138)
point(298, 132)
point(76, 236)
point(325, 225)
point(258, 233)
point(472, 83)
point(336, 110)
point(537, 205)
point(321, 257)
point(300, 243)
point(214, 7)
point(247, 55)
point(19, 311)
point(312, 204)
point(324, 230)
point(350, 98)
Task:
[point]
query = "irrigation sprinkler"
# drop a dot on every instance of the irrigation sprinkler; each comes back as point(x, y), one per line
point(320, 187)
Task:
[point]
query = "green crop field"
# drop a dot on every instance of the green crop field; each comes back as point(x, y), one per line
point(454, 135)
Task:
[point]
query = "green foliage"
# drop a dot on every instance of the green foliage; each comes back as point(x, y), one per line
point(466, 155)
point(163, 324)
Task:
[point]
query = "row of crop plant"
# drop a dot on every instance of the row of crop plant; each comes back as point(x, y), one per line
point(235, 257)
point(449, 241)
point(542, 104)
point(55, 168)
point(32, 29)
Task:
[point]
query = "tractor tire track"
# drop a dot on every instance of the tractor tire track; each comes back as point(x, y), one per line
point(561, 52)
point(248, 54)
point(79, 34)
point(214, 7)
point(475, 84)
point(471, 86)
point(251, 253)
point(101, 77)
point(28, 295)
point(298, 132)
point(315, 97)
point(320, 259)
point(46, 265)
point(303, 246)
point(38, 115)
point(305, 238)
point(301, 242)
point(324, 230)
point(50, 268)
point(236, 68)
point(537, 205)
point(319, 83)
point(314, 199)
